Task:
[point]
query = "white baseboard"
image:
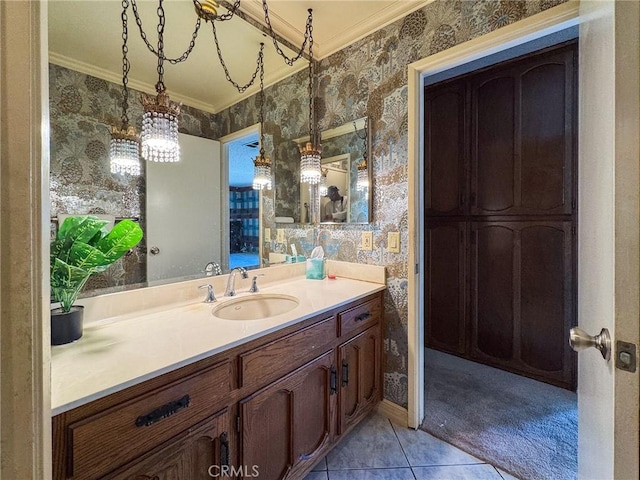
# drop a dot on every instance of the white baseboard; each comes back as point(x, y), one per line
point(393, 412)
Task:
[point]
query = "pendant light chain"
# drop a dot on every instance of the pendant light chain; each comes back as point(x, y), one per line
point(259, 64)
point(307, 36)
point(160, 87)
point(126, 65)
point(311, 85)
point(151, 48)
point(261, 104)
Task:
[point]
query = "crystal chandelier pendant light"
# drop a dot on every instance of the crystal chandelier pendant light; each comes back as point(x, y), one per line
point(323, 188)
point(262, 172)
point(362, 182)
point(160, 128)
point(124, 149)
point(160, 117)
point(262, 164)
point(310, 166)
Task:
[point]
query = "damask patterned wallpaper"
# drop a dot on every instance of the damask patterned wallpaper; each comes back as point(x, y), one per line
point(369, 78)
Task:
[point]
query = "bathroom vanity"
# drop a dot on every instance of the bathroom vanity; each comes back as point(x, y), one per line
point(259, 398)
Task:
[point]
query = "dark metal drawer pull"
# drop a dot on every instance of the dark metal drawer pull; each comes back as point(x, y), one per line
point(224, 449)
point(362, 316)
point(345, 374)
point(162, 412)
point(333, 388)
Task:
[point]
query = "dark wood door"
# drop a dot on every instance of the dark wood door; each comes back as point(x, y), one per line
point(445, 149)
point(522, 136)
point(499, 263)
point(522, 297)
point(200, 453)
point(360, 377)
point(445, 284)
point(288, 425)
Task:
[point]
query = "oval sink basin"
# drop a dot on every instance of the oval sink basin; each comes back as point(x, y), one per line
point(256, 307)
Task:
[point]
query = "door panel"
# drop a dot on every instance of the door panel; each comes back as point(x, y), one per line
point(493, 148)
point(445, 149)
point(523, 136)
point(492, 291)
point(445, 280)
point(522, 298)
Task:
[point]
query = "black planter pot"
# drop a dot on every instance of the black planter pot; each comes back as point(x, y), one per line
point(66, 327)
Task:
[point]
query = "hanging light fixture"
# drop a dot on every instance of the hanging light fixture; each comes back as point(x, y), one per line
point(362, 181)
point(310, 169)
point(160, 118)
point(124, 150)
point(262, 164)
point(323, 190)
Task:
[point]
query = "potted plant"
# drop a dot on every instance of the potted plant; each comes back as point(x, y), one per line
point(81, 248)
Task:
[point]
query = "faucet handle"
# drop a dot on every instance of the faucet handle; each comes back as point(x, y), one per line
point(254, 283)
point(210, 298)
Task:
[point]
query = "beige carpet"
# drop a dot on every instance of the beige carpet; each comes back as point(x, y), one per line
point(525, 427)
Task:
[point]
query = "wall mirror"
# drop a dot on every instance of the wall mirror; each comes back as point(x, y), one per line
point(344, 195)
point(85, 55)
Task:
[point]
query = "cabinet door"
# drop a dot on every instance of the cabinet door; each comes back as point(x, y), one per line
point(522, 298)
point(198, 454)
point(445, 149)
point(288, 425)
point(360, 371)
point(445, 286)
point(523, 136)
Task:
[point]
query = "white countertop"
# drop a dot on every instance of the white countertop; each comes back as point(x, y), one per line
point(119, 352)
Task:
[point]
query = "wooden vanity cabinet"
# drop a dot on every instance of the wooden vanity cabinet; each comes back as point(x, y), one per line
point(199, 453)
point(289, 425)
point(273, 406)
point(360, 360)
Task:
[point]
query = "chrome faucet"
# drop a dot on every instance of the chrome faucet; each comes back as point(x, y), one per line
point(254, 283)
point(212, 268)
point(210, 298)
point(231, 289)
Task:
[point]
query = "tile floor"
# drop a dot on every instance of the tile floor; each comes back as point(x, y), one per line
point(379, 450)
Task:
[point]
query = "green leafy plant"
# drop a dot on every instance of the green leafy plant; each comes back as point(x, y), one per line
point(83, 247)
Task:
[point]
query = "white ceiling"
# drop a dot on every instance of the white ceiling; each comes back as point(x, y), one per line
point(85, 35)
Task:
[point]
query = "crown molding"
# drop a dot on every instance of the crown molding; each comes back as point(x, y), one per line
point(134, 84)
point(396, 11)
point(148, 88)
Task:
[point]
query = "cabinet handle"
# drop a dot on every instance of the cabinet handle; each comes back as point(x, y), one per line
point(362, 316)
point(162, 412)
point(224, 449)
point(345, 374)
point(333, 388)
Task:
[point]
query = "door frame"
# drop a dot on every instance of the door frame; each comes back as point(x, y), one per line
point(609, 217)
point(550, 21)
point(224, 192)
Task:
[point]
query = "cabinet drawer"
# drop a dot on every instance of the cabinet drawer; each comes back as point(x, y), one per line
point(271, 361)
point(365, 314)
point(109, 439)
